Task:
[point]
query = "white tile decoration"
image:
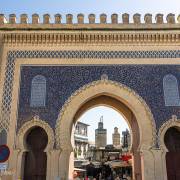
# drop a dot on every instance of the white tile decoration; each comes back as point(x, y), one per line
point(38, 91)
point(171, 91)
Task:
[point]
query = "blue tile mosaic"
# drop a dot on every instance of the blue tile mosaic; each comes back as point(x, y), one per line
point(62, 81)
point(82, 77)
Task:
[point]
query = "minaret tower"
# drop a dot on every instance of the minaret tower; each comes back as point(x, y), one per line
point(100, 135)
point(116, 137)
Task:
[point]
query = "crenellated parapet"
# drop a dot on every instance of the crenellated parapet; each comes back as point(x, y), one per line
point(92, 19)
point(102, 29)
point(148, 18)
point(80, 18)
point(35, 19)
point(24, 19)
point(57, 18)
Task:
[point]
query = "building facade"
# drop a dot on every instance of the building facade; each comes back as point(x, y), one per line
point(51, 73)
point(81, 141)
point(126, 139)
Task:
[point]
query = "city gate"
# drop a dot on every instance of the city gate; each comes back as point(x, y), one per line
point(50, 73)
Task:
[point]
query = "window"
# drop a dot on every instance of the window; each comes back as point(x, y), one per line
point(38, 91)
point(171, 91)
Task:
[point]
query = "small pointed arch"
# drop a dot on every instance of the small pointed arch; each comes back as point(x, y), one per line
point(38, 91)
point(3, 137)
point(171, 91)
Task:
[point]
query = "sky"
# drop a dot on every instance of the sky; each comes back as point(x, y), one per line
point(89, 6)
point(111, 119)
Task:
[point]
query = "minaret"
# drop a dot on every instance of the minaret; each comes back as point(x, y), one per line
point(126, 139)
point(116, 137)
point(100, 135)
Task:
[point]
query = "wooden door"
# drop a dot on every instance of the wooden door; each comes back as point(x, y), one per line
point(36, 159)
point(172, 141)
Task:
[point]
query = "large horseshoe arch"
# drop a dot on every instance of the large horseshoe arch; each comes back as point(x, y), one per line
point(125, 95)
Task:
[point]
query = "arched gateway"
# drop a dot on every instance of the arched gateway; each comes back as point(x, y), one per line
point(133, 108)
point(35, 140)
point(81, 65)
point(169, 141)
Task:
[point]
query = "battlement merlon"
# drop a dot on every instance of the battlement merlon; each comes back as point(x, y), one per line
point(79, 23)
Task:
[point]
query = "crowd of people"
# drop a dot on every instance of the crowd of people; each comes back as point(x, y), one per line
point(103, 173)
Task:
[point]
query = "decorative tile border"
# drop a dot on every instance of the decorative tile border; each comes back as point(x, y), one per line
point(13, 55)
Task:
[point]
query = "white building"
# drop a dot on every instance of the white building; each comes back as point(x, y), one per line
point(81, 140)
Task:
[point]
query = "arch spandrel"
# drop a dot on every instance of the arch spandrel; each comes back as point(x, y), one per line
point(119, 91)
point(35, 122)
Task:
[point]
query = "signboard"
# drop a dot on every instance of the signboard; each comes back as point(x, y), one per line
point(4, 153)
point(3, 166)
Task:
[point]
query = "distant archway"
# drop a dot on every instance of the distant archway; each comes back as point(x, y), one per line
point(124, 96)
